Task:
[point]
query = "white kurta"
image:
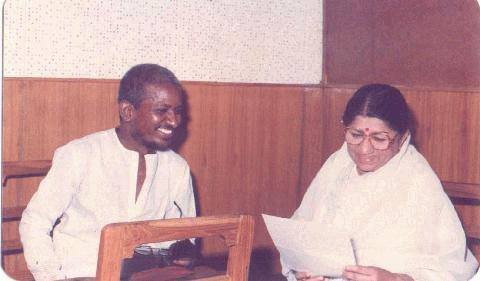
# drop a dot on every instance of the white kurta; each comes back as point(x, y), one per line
point(92, 182)
point(399, 216)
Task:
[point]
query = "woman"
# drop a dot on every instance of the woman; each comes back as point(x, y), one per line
point(378, 189)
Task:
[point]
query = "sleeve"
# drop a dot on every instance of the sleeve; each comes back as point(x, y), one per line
point(45, 207)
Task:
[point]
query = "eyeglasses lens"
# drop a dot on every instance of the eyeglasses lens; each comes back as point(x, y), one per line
point(379, 141)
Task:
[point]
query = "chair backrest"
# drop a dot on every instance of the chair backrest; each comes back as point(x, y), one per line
point(466, 199)
point(11, 212)
point(21, 169)
point(118, 241)
point(25, 168)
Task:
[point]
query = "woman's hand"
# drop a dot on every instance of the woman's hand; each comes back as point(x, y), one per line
point(303, 276)
point(372, 273)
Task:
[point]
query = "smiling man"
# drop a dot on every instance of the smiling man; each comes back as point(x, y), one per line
point(128, 173)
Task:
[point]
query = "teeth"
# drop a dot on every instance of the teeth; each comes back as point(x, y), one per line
point(165, 131)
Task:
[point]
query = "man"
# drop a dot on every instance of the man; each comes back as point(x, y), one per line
point(122, 174)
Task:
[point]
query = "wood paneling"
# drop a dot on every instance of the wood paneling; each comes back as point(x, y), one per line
point(466, 199)
point(40, 115)
point(322, 130)
point(243, 146)
point(448, 135)
point(429, 43)
point(70, 108)
point(252, 148)
point(448, 132)
point(12, 119)
point(348, 49)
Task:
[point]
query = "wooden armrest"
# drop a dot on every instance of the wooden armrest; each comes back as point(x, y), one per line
point(25, 168)
point(214, 278)
point(11, 213)
point(462, 190)
point(472, 233)
point(21, 275)
point(11, 245)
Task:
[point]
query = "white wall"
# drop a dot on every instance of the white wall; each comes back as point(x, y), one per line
point(265, 41)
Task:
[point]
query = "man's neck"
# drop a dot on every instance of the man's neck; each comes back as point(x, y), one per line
point(129, 142)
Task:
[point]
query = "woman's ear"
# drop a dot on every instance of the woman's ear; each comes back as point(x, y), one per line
point(126, 111)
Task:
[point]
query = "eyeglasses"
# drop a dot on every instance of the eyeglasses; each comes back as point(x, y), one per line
point(379, 140)
point(148, 250)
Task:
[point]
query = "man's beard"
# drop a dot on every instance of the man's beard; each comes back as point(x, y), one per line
point(154, 146)
point(151, 145)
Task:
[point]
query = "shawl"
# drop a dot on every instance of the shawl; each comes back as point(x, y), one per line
point(399, 216)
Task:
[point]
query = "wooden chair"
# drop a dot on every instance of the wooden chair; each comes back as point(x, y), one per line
point(18, 169)
point(467, 196)
point(119, 240)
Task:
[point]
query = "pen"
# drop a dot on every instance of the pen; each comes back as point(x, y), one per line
point(179, 209)
point(354, 251)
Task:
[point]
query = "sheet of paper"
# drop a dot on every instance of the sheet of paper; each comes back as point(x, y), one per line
point(307, 246)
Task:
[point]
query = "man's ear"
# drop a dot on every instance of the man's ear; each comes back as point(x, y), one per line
point(126, 111)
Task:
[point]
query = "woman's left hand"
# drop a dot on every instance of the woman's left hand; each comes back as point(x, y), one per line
point(372, 273)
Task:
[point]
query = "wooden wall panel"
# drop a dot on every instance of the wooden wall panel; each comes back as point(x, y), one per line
point(449, 132)
point(42, 114)
point(38, 116)
point(12, 120)
point(448, 136)
point(11, 142)
point(244, 147)
point(243, 144)
point(322, 129)
point(70, 108)
point(348, 49)
point(252, 148)
point(48, 113)
point(429, 43)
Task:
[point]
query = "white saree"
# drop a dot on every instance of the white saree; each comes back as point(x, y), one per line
point(399, 216)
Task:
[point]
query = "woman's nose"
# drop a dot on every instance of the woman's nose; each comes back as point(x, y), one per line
point(366, 145)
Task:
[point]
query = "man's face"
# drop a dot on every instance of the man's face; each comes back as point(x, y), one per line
point(157, 117)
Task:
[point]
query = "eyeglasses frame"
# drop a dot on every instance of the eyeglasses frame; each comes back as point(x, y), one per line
point(390, 139)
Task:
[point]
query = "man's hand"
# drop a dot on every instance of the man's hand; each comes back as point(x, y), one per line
point(372, 273)
point(184, 253)
point(183, 261)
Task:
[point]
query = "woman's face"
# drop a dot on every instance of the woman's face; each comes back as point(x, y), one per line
point(364, 154)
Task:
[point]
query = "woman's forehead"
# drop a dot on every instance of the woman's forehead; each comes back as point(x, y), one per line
point(370, 124)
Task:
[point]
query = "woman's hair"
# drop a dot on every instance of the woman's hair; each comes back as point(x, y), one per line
point(383, 102)
point(132, 85)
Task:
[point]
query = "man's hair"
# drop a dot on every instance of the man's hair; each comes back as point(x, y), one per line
point(383, 102)
point(133, 83)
